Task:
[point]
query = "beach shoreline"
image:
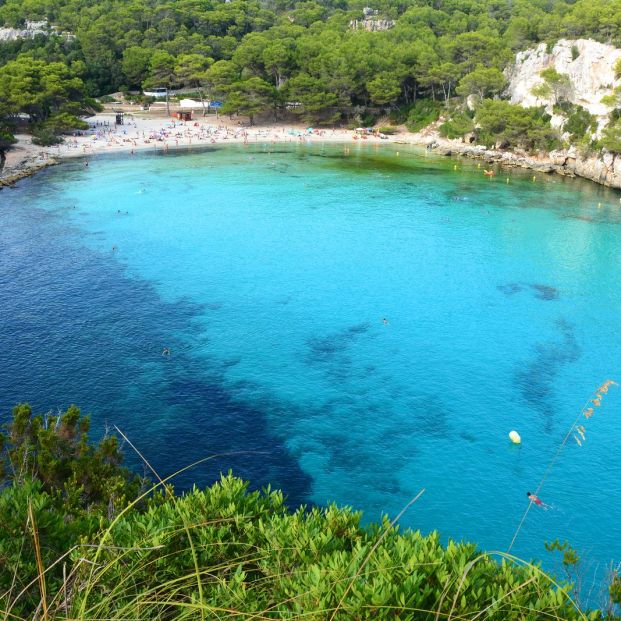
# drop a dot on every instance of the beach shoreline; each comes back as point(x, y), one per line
point(143, 132)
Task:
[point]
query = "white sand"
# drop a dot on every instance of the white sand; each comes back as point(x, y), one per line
point(141, 133)
point(144, 131)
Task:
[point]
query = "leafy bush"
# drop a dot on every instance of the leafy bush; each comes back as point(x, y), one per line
point(499, 122)
point(423, 113)
point(45, 137)
point(7, 138)
point(611, 138)
point(457, 126)
point(57, 484)
point(222, 552)
point(54, 450)
point(106, 99)
point(580, 124)
point(399, 115)
point(253, 555)
point(387, 129)
point(47, 133)
point(575, 52)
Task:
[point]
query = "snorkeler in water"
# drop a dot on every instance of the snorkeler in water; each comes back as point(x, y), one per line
point(537, 500)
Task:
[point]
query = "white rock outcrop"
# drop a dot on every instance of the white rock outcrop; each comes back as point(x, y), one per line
point(589, 65)
point(31, 30)
point(372, 25)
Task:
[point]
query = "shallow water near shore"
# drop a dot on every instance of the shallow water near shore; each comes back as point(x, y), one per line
point(268, 271)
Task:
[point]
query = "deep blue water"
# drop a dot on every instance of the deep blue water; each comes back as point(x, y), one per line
point(268, 271)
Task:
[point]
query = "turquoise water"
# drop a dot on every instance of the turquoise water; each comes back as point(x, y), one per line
point(268, 272)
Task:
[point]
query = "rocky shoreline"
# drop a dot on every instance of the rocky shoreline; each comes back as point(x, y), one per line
point(25, 168)
point(602, 169)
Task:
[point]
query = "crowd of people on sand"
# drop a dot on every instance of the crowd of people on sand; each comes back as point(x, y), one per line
point(169, 133)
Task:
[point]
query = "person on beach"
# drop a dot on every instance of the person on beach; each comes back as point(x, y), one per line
point(537, 500)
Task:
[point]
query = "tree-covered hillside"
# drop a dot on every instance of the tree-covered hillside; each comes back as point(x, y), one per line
point(83, 538)
point(319, 60)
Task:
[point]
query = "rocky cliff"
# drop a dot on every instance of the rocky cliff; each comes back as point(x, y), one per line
point(30, 30)
point(589, 65)
point(591, 68)
point(372, 25)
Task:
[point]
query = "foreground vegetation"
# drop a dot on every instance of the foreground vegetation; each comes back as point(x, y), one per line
point(312, 59)
point(84, 538)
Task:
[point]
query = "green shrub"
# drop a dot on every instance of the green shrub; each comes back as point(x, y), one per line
point(387, 129)
point(368, 119)
point(500, 122)
point(611, 138)
point(223, 552)
point(48, 133)
point(580, 124)
point(457, 126)
point(575, 52)
point(7, 138)
point(45, 137)
point(57, 484)
point(253, 555)
point(399, 115)
point(423, 113)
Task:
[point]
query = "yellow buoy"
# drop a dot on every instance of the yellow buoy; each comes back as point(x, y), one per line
point(455, 167)
point(534, 178)
point(507, 179)
point(397, 153)
point(514, 436)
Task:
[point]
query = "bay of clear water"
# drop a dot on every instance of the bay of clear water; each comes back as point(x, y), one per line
point(268, 271)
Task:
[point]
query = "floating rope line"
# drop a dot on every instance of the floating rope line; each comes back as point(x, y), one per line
point(576, 430)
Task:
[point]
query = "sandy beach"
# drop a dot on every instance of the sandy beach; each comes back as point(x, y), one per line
point(143, 131)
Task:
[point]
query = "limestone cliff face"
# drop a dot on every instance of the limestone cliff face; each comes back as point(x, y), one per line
point(372, 25)
point(588, 64)
point(590, 67)
point(31, 29)
point(604, 169)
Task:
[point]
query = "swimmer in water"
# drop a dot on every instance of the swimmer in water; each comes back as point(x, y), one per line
point(166, 351)
point(385, 321)
point(537, 500)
